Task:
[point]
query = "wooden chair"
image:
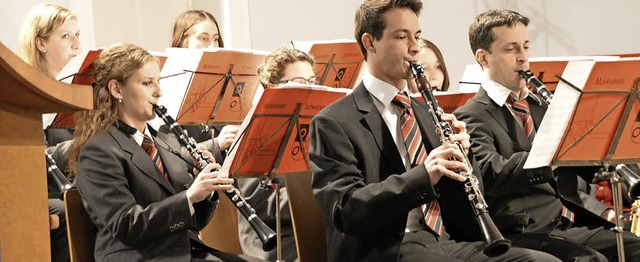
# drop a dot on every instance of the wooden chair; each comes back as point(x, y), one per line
point(81, 231)
point(222, 231)
point(307, 218)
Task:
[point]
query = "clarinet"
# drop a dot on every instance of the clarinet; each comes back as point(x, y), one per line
point(61, 180)
point(496, 243)
point(264, 232)
point(541, 89)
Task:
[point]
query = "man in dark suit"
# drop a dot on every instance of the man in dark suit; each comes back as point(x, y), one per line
point(369, 183)
point(528, 205)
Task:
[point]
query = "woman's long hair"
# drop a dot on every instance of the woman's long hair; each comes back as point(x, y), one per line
point(119, 62)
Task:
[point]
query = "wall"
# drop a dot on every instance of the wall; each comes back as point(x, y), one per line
point(558, 27)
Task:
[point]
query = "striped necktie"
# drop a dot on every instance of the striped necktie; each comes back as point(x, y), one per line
point(417, 154)
point(150, 148)
point(521, 110)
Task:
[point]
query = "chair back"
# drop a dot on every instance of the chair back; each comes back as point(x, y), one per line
point(80, 230)
point(307, 218)
point(222, 231)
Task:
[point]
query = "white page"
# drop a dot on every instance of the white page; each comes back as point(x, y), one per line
point(556, 119)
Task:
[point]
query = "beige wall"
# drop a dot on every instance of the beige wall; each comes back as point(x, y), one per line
point(558, 27)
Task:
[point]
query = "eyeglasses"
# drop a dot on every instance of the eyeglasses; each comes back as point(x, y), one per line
point(301, 80)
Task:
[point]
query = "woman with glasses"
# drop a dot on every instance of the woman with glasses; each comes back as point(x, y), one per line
point(283, 66)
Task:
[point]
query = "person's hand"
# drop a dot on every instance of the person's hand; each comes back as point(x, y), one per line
point(609, 215)
point(459, 129)
point(442, 161)
point(207, 182)
point(208, 155)
point(227, 136)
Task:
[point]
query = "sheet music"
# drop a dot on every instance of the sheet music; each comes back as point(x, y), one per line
point(72, 67)
point(558, 115)
point(175, 79)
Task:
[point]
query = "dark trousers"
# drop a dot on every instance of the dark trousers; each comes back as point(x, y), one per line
point(422, 246)
point(580, 244)
point(59, 242)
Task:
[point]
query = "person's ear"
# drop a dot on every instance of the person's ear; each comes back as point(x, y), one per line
point(41, 45)
point(368, 42)
point(481, 57)
point(114, 89)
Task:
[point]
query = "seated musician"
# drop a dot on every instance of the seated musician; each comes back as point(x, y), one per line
point(435, 70)
point(528, 205)
point(198, 29)
point(371, 178)
point(48, 40)
point(137, 192)
point(281, 66)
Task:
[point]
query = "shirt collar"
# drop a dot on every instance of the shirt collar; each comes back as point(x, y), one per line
point(379, 89)
point(499, 93)
point(134, 133)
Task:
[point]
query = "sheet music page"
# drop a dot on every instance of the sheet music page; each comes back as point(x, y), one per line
point(72, 67)
point(558, 115)
point(174, 79)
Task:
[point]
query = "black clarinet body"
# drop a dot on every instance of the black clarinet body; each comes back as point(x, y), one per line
point(534, 82)
point(496, 243)
point(61, 180)
point(264, 232)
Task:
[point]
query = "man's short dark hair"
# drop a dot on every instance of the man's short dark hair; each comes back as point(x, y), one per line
point(481, 33)
point(369, 17)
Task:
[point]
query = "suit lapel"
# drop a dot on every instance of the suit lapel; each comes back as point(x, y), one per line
point(140, 158)
point(505, 119)
point(168, 148)
point(372, 120)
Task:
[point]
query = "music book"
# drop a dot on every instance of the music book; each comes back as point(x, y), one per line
point(273, 138)
point(448, 101)
point(79, 70)
point(339, 63)
point(594, 117)
point(547, 68)
point(209, 86)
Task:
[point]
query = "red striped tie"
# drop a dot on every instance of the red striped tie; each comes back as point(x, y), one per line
point(566, 213)
point(418, 154)
point(150, 148)
point(521, 109)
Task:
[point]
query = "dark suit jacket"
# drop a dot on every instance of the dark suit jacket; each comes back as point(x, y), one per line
point(361, 184)
point(520, 200)
point(140, 215)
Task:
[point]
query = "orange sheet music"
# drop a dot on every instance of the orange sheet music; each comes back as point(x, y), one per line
point(449, 102)
point(604, 124)
point(593, 117)
point(259, 148)
point(221, 88)
point(546, 71)
point(337, 64)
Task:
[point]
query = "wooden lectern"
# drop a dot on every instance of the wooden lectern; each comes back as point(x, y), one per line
point(25, 94)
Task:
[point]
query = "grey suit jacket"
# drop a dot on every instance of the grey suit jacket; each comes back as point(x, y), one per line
point(520, 200)
point(140, 215)
point(361, 185)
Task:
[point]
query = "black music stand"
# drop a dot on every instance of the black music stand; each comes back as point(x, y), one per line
point(273, 140)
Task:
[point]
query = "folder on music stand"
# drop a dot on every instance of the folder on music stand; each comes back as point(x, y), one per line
point(273, 139)
point(546, 68)
point(211, 86)
point(594, 117)
point(448, 101)
point(339, 63)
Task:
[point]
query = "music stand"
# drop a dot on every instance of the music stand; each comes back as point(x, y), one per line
point(594, 120)
point(338, 63)
point(272, 141)
point(448, 101)
point(212, 86)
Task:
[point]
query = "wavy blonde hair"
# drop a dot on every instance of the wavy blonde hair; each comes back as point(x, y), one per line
point(272, 70)
point(118, 62)
point(41, 21)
